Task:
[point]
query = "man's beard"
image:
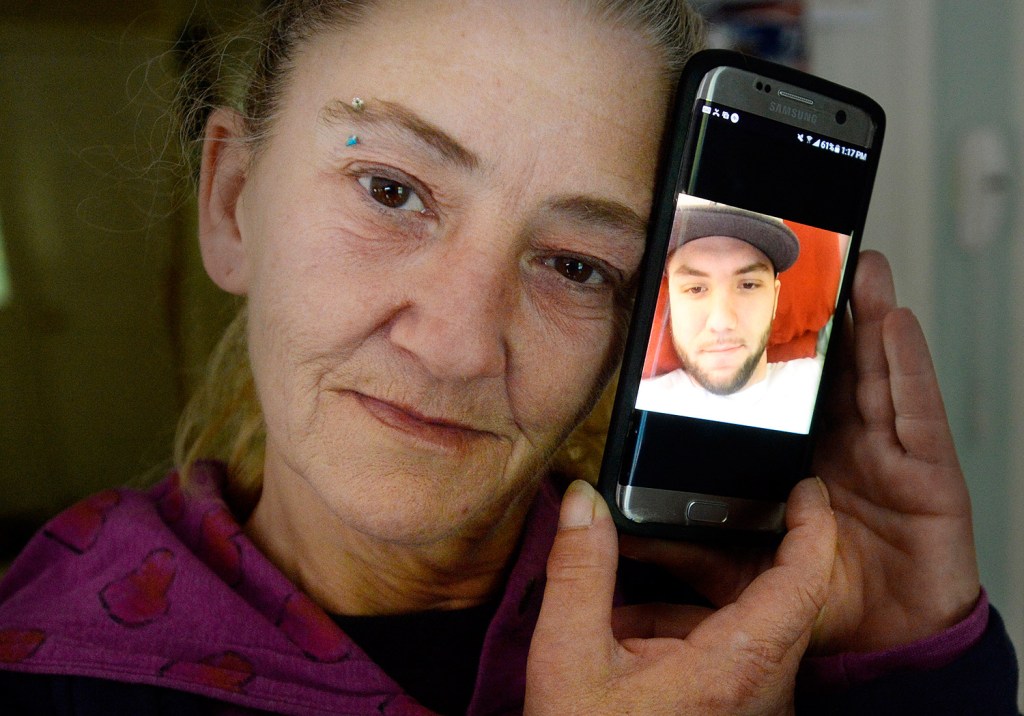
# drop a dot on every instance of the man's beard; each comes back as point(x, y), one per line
point(739, 378)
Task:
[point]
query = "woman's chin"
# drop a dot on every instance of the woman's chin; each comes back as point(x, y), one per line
point(410, 506)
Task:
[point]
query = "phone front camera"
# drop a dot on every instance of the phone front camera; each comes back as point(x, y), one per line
point(841, 117)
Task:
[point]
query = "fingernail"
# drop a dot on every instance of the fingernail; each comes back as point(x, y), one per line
point(824, 491)
point(577, 507)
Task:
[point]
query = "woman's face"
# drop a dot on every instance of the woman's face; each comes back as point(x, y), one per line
point(432, 280)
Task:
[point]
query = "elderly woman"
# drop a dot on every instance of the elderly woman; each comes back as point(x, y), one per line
point(435, 212)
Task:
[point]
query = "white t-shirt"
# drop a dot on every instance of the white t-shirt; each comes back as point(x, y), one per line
point(784, 400)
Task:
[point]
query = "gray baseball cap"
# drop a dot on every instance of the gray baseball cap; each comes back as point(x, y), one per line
point(699, 220)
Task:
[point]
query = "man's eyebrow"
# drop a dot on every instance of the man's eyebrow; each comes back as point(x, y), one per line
point(755, 267)
point(603, 213)
point(399, 117)
point(691, 271)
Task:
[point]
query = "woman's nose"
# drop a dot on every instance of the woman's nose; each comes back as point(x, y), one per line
point(459, 310)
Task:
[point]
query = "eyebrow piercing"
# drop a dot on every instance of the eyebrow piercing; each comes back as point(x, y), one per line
point(352, 141)
point(358, 104)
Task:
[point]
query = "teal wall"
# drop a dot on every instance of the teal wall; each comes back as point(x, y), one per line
point(971, 339)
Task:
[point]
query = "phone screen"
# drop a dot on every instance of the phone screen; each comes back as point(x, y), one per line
point(773, 167)
point(766, 217)
point(745, 310)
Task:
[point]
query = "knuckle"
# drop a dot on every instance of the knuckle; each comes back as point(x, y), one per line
point(572, 565)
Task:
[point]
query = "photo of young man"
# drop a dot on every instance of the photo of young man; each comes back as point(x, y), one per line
point(723, 275)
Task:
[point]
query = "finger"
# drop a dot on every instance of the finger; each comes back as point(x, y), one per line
point(652, 621)
point(575, 618)
point(841, 403)
point(874, 297)
point(871, 294)
point(804, 560)
point(874, 293)
point(921, 424)
point(772, 619)
point(839, 399)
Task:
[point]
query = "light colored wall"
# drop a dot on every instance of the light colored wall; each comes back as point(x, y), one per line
point(975, 86)
point(980, 82)
point(885, 50)
point(943, 68)
point(1014, 548)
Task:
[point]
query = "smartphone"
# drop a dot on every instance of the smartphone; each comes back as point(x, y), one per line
point(759, 206)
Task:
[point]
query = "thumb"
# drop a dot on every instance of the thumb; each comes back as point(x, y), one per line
point(775, 614)
point(574, 626)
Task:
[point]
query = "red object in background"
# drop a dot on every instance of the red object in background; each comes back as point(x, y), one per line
point(806, 303)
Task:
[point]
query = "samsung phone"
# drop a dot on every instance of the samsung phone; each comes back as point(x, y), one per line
point(760, 203)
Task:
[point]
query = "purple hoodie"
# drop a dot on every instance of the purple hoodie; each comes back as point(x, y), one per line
point(164, 588)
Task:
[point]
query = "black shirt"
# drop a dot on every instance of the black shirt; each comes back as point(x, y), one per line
point(433, 655)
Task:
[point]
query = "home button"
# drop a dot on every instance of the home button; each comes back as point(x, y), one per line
point(707, 512)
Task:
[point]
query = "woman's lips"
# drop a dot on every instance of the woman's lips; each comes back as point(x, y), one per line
point(441, 433)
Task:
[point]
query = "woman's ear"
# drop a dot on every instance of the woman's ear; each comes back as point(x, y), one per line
point(221, 180)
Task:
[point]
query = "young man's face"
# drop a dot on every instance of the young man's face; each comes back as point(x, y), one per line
point(722, 298)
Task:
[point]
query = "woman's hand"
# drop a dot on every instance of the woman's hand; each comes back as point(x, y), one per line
point(906, 566)
point(586, 658)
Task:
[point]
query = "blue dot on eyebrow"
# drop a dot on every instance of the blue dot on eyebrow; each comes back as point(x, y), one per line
point(351, 141)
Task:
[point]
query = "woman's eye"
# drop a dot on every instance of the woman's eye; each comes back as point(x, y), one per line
point(392, 194)
point(575, 270)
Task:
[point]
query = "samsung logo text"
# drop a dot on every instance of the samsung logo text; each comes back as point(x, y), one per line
point(799, 115)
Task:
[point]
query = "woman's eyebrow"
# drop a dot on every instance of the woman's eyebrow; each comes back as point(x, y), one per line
point(398, 117)
point(602, 213)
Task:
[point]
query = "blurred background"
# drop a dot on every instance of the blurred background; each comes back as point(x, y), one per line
point(106, 316)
